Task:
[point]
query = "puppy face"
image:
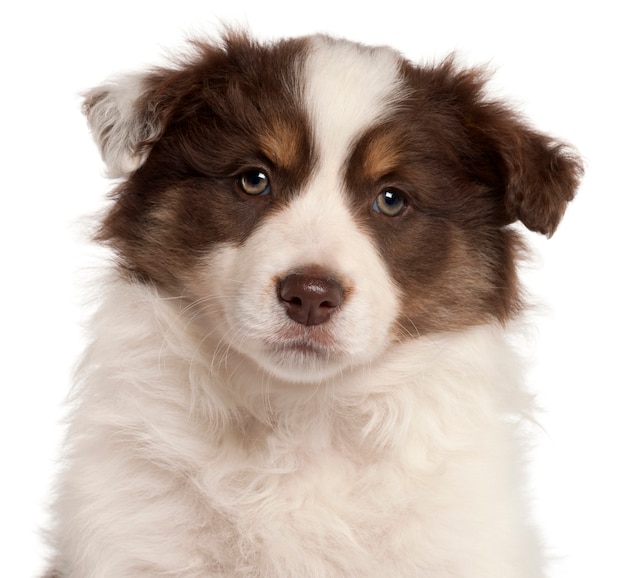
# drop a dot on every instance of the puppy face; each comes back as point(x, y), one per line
point(317, 201)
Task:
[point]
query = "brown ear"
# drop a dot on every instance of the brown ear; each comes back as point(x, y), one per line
point(128, 115)
point(535, 176)
point(540, 175)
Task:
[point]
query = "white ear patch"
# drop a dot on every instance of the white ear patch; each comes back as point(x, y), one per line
point(119, 122)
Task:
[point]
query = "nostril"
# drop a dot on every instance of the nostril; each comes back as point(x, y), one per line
point(310, 299)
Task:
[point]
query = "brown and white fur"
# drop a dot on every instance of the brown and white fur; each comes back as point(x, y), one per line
point(299, 367)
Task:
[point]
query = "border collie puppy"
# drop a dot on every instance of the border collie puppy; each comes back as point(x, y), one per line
point(299, 365)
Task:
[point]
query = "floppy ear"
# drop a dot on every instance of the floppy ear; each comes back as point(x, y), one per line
point(124, 121)
point(540, 174)
point(129, 115)
point(535, 176)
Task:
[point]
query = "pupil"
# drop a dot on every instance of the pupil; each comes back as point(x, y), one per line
point(390, 198)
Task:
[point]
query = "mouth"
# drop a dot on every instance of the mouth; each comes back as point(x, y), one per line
point(303, 358)
point(304, 347)
point(315, 341)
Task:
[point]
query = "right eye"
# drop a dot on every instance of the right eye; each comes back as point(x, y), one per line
point(390, 203)
point(255, 183)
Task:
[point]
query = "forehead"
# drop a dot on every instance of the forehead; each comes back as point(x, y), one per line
point(305, 110)
point(295, 102)
point(348, 89)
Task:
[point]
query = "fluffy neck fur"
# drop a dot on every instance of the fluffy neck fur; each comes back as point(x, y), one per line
point(261, 462)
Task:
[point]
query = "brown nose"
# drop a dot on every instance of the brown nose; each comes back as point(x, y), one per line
point(309, 299)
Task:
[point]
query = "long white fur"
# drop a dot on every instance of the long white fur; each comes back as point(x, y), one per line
point(196, 452)
point(386, 470)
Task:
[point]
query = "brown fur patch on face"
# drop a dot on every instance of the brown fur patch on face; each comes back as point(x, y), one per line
point(449, 253)
point(461, 163)
point(231, 109)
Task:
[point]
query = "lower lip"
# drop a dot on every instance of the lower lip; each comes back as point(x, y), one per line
point(303, 347)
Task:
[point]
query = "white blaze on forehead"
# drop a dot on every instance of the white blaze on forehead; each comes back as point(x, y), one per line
point(348, 88)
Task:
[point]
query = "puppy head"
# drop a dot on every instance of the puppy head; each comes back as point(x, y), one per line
point(318, 200)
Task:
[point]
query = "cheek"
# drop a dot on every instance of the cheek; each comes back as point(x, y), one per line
point(163, 235)
point(448, 278)
point(209, 213)
point(418, 254)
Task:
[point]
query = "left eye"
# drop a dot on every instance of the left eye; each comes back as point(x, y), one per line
point(390, 203)
point(254, 183)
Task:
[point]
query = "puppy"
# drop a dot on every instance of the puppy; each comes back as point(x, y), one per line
point(299, 366)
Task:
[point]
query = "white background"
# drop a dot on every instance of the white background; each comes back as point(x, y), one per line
point(561, 62)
